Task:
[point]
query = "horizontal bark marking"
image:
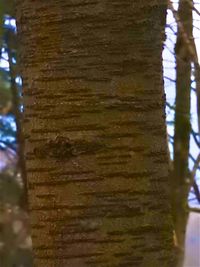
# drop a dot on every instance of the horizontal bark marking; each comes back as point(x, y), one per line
point(55, 117)
point(108, 193)
point(112, 163)
point(106, 215)
point(110, 157)
point(150, 229)
point(76, 256)
point(66, 218)
point(85, 127)
point(127, 148)
point(43, 130)
point(127, 193)
point(41, 169)
point(60, 244)
point(36, 140)
point(96, 208)
point(44, 196)
point(133, 108)
point(139, 174)
point(74, 231)
point(34, 107)
point(118, 135)
point(62, 183)
point(156, 154)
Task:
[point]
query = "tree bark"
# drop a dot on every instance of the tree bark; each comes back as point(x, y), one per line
point(96, 149)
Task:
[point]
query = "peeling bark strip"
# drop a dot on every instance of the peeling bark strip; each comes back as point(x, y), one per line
point(95, 132)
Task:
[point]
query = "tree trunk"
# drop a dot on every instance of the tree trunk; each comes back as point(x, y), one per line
point(181, 184)
point(96, 153)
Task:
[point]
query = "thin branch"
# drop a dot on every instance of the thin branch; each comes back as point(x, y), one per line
point(192, 177)
point(195, 138)
point(196, 166)
point(169, 79)
point(170, 106)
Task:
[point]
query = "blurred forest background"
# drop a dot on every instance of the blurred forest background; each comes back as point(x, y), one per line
point(182, 86)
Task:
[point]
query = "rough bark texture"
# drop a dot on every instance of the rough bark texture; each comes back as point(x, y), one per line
point(181, 184)
point(95, 132)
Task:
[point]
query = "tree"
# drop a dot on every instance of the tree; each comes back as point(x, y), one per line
point(96, 149)
point(180, 185)
point(182, 178)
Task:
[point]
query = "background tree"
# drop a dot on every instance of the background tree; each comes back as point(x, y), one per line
point(180, 176)
point(183, 178)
